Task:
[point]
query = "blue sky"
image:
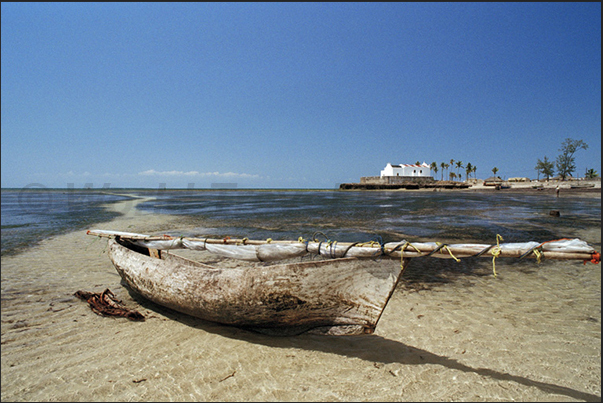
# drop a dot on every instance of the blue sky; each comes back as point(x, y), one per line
point(292, 95)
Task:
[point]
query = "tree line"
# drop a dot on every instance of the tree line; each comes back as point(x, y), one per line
point(565, 164)
point(469, 169)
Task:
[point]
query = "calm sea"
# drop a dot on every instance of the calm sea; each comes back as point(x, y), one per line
point(28, 216)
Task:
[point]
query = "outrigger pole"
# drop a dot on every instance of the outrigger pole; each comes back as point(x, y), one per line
point(559, 249)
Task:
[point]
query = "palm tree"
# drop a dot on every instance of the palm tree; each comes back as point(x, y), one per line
point(434, 167)
point(494, 170)
point(451, 164)
point(473, 170)
point(591, 173)
point(468, 170)
point(443, 165)
point(459, 165)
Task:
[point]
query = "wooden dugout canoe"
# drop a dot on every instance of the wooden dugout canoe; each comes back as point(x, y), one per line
point(345, 294)
point(337, 297)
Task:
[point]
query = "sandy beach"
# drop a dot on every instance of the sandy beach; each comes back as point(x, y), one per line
point(579, 188)
point(448, 334)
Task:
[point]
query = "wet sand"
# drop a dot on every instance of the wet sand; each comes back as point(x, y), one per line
point(450, 332)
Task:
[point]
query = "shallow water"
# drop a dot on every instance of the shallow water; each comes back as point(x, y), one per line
point(31, 215)
point(450, 332)
point(391, 216)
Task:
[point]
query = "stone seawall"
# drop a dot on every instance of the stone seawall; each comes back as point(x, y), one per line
point(405, 185)
point(395, 180)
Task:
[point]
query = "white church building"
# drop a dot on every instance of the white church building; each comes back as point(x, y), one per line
point(422, 170)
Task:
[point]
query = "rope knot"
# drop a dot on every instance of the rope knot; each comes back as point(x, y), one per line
point(496, 253)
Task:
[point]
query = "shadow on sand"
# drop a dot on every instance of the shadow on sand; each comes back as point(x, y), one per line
point(371, 348)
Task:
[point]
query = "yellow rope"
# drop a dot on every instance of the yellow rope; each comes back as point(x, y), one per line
point(496, 252)
point(538, 255)
point(368, 244)
point(402, 249)
point(449, 251)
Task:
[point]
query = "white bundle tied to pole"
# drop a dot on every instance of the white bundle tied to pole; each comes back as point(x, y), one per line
point(268, 250)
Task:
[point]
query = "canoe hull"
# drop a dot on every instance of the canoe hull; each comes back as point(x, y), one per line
point(339, 296)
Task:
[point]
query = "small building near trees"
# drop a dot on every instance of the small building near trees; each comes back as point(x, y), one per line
point(406, 170)
point(493, 181)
